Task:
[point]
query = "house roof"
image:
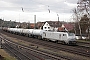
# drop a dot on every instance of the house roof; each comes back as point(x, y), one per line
point(61, 29)
point(32, 25)
point(54, 23)
point(68, 26)
point(39, 24)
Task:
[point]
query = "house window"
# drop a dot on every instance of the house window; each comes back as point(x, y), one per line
point(48, 27)
point(47, 24)
point(45, 27)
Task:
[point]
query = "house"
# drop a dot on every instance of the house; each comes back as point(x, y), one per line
point(40, 24)
point(55, 26)
point(51, 25)
point(32, 25)
point(66, 27)
point(47, 27)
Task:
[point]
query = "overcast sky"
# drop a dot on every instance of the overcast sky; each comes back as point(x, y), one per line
point(45, 10)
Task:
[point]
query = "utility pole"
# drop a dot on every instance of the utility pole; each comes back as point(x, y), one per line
point(34, 21)
point(58, 19)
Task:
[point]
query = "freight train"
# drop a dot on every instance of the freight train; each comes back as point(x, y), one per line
point(59, 37)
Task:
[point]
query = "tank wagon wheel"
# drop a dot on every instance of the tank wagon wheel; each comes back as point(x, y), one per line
point(56, 41)
point(44, 39)
point(39, 37)
point(27, 35)
point(47, 40)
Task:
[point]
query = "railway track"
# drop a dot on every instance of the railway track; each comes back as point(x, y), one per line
point(72, 49)
point(84, 44)
point(83, 51)
point(16, 53)
point(24, 53)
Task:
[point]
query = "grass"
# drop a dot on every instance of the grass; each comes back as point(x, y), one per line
point(84, 41)
point(6, 55)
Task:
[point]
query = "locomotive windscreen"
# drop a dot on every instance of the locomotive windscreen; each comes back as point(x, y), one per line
point(71, 34)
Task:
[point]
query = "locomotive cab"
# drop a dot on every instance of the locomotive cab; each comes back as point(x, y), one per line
point(71, 38)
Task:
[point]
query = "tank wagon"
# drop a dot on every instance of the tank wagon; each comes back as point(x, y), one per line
point(59, 37)
point(37, 33)
point(17, 31)
point(27, 32)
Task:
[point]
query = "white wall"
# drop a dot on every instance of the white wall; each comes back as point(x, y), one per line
point(47, 27)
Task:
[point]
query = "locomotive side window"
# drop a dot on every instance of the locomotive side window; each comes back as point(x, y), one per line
point(64, 34)
point(60, 36)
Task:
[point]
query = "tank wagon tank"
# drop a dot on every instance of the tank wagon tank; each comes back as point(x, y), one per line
point(5, 29)
point(17, 31)
point(37, 33)
point(12, 30)
point(27, 32)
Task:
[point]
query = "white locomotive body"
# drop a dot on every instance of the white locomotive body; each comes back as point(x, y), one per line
point(64, 37)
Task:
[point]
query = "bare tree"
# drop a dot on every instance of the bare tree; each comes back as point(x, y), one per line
point(82, 13)
point(77, 20)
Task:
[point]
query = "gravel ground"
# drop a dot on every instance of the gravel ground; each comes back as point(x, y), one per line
point(1, 58)
point(5, 56)
point(46, 49)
